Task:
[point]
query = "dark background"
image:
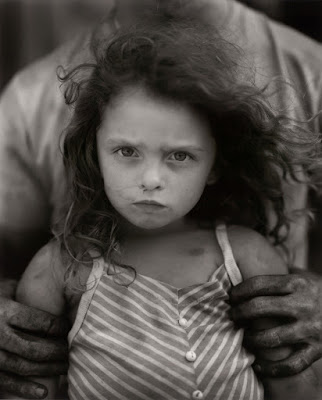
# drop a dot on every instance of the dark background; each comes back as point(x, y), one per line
point(32, 28)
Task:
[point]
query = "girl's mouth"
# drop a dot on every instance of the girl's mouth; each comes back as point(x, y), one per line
point(149, 205)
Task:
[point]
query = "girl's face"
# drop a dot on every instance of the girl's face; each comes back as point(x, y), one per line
point(155, 158)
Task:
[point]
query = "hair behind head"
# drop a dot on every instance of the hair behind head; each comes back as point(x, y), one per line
point(175, 56)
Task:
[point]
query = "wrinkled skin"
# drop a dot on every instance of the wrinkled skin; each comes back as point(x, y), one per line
point(295, 300)
point(32, 342)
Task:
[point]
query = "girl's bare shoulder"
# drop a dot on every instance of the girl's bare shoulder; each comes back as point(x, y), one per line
point(254, 254)
point(42, 284)
point(48, 283)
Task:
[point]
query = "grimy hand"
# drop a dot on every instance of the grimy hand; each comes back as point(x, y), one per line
point(295, 300)
point(32, 342)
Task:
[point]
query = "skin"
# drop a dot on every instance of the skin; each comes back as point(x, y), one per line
point(251, 299)
point(298, 294)
point(154, 150)
point(38, 353)
point(298, 297)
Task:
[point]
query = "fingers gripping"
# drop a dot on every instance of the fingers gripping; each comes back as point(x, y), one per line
point(264, 285)
point(13, 363)
point(33, 320)
point(263, 306)
point(31, 347)
point(21, 387)
point(282, 335)
point(292, 365)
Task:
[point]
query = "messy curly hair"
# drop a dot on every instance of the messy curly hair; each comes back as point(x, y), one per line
point(176, 57)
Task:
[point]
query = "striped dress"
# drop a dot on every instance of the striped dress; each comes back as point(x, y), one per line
point(151, 340)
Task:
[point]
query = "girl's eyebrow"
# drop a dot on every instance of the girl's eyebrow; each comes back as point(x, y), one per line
point(125, 142)
point(120, 141)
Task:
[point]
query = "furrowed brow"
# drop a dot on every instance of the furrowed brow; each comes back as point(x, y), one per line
point(122, 142)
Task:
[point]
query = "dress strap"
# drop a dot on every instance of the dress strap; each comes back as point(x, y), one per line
point(85, 301)
point(229, 260)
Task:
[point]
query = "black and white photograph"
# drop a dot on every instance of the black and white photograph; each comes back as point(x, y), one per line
point(161, 199)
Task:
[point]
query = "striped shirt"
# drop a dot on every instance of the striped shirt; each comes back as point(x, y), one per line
point(150, 340)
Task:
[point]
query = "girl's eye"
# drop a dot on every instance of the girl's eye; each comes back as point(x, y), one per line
point(180, 156)
point(126, 152)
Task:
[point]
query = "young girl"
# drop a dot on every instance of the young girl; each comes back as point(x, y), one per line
point(169, 153)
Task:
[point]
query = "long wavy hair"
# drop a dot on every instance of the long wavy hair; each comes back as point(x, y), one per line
point(176, 57)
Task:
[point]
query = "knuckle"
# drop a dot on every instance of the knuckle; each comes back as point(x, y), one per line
point(290, 283)
point(303, 363)
point(315, 329)
point(20, 367)
point(273, 339)
point(295, 332)
point(318, 351)
point(296, 367)
point(258, 306)
point(298, 308)
point(301, 308)
point(264, 340)
point(253, 284)
point(258, 283)
point(3, 361)
point(298, 282)
point(6, 336)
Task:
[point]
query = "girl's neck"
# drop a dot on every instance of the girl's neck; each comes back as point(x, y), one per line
point(183, 225)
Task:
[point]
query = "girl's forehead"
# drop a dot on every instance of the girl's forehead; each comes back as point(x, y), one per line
point(139, 115)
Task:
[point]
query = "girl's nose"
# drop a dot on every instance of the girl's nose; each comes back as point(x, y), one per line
point(151, 179)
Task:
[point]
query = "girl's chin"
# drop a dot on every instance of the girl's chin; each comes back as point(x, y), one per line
point(148, 224)
point(156, 226)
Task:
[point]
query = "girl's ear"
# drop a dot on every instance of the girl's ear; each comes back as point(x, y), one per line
point(212, 178)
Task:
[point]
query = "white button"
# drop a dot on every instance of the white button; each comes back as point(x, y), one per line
point(183, 322)
point(191, 355)
point(197, 394)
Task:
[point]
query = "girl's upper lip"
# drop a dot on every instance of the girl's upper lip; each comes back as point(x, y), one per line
point(153, 202)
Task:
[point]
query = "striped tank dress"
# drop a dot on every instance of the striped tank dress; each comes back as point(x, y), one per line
point(150, 340)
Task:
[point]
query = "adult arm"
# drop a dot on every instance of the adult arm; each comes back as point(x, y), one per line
point(24, 204)
point(24, 221)
point(255, 256)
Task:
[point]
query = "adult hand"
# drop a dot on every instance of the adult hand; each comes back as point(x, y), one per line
point(32, 342)
point(295, 300)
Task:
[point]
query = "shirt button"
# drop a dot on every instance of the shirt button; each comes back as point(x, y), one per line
point(183, 322)
point(197, 394)
point(191, 355)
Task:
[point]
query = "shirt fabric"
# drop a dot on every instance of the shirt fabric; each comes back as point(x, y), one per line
point(33, 115)
point(144, 339)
